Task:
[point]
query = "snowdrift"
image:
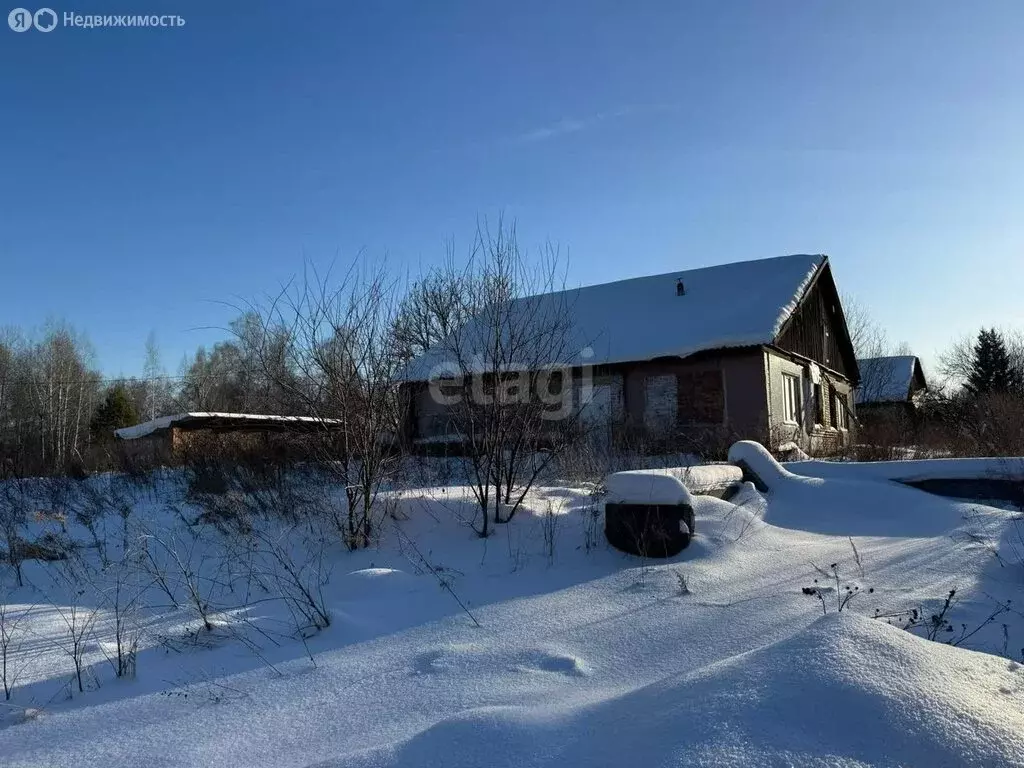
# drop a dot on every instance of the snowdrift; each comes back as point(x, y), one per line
point(847, 690)
point(912, 469)
point(843, 506)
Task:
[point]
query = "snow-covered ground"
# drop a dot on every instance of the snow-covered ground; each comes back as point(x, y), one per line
point(567, 653)
point(912, 469)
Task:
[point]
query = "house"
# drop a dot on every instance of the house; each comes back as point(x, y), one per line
point(173, 439)
point(891, 388)
point(693, 360)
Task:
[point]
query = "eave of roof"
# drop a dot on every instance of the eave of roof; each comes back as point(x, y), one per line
point(197, 419)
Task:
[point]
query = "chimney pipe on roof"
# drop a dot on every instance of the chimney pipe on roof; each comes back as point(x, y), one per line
point(680, 289)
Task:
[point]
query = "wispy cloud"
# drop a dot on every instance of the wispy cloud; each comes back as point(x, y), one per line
point(569, 125)
point(561, 128)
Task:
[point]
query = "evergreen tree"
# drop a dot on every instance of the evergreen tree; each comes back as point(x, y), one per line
point(991, 369)
point(117, 410)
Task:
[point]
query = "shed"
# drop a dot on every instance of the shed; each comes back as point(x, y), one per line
point(174, 438)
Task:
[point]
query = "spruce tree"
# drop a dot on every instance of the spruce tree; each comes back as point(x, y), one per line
point(991, 369)
point(117, 410)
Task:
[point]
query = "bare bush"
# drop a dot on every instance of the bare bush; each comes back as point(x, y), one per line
point(593, 535)
point(294, 558)
point(506, 376)
point(549, 527)
point(14, 507)
point(11, 641)
point(938, 625)
point(989, 425)
point(329, 350)
point(888, 434)
point(121, 591)
point(185, 569)
point(841, 594)
point(79, 624)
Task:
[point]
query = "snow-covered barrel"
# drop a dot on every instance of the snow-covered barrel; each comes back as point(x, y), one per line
point(647, 513)
point(758, 465)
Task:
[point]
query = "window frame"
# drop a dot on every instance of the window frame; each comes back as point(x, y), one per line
point(841, 417)
point(792, 398)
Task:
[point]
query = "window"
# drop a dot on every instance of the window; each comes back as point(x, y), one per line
point(791, 395)
point(661, 403)
point(842, 411)
point(819, 406)
point(701, 397)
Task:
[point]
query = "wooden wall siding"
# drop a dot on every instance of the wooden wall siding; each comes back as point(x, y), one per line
point(817, 330)
point(215, 442)
point(151, 450)
point(917, 382)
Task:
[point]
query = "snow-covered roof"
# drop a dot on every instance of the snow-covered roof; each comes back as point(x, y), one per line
point(886, 379)
point(727, 305)
point(199, 418)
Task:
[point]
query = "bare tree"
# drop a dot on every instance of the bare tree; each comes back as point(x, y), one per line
point(506, 375)
point(957, 361)
point(328, 350)
point(65, 390)
point(872, 345)
point(156, 384)
point(48, 390)
point(433, 308)
point(868, 337)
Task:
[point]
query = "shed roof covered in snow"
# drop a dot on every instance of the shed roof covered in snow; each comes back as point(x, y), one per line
point(224, 421)
point(675, 314)
point(891, 379)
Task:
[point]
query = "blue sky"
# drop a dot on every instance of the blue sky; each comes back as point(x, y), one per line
point(150, 175)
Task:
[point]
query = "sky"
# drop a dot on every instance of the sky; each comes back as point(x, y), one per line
point(153, 178)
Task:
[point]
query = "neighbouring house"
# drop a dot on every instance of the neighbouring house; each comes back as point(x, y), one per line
point(174, 439)
point(693, 360)
point(891, 389)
